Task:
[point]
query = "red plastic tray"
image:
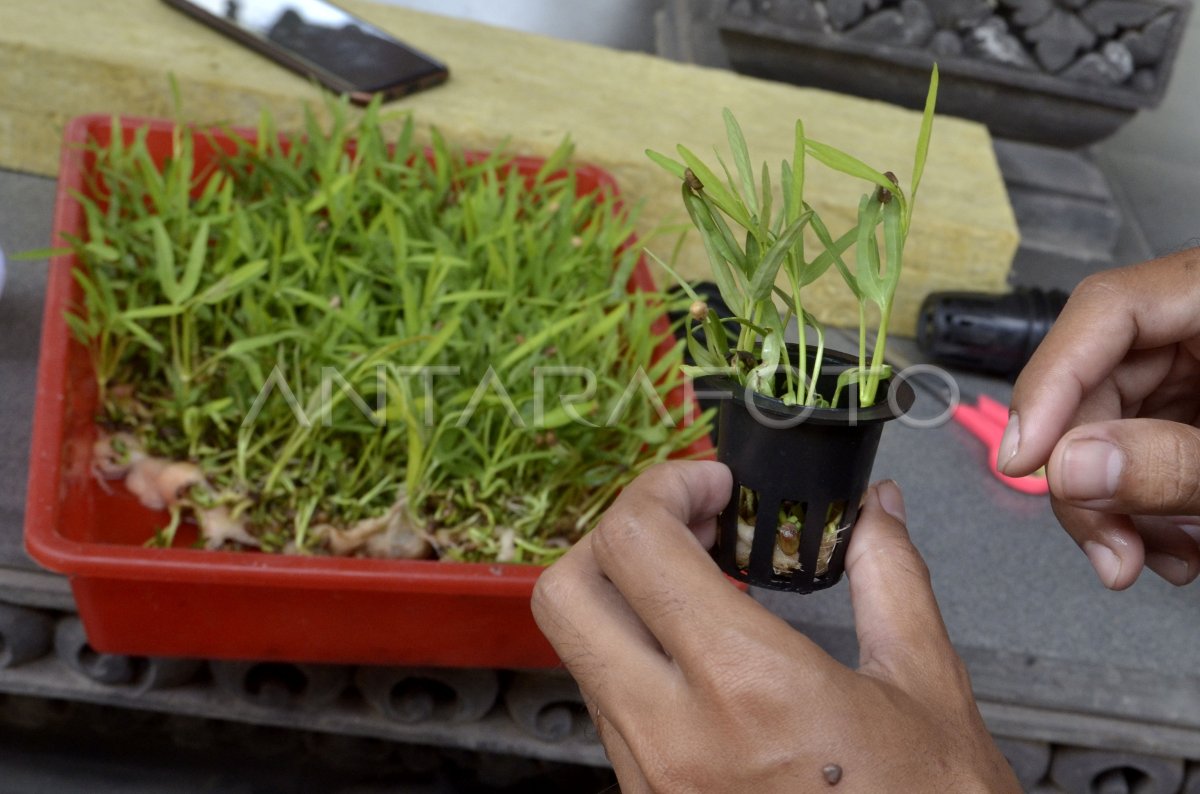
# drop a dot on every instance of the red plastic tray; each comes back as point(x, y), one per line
point(247, 605)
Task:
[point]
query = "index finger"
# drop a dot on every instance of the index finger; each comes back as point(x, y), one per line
point(1109, 314)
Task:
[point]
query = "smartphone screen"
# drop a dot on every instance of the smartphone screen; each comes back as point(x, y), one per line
point(319, 39)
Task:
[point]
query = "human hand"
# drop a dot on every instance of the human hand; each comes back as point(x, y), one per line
point(694, 686)
point(1110, 403)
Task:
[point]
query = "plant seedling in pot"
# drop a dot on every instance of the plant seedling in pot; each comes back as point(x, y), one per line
point(799, 423)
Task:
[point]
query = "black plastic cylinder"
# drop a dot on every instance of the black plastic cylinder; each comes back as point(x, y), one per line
point(988, 333)
point(811, 457)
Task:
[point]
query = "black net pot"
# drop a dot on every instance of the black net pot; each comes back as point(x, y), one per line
point(810, 464)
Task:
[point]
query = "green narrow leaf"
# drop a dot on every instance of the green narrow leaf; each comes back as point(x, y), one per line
point(703, 356)
point(764, 221)
point(752, 248)
point(797, 172)
point(727, 283)
point(764, 277)
point(142, 335)
point(102, 252)
point(679, 280)
point(232, 282)
point(152, 312)
point(673, 166)
point(741, 159)
point(708, 222)
point(717, 334)
point(785, 190)
point(558, 160)
point(831, 255)
point(539, 340)
point(82, 330)
point(164, 260)
point(728, 203)
point(866, 250)
point(734, 190)
point(728, 243)
point(893, 239)
point(779, 353)
point(195, 264)
point(923, 141)
point(325, 193)
point(851, 166)
point(243, 346)
point(612, 318)
point(772, 347)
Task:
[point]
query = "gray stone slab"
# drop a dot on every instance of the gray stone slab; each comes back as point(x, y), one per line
point(1133, 245)
point(1058, 267)
point(1069, 220)
point(1078, 226)
point(1156, 193)
point(1061, 171)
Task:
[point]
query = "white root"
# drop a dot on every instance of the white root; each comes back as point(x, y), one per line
point(113, 455)
point(177, 479)
point(346, 542)
point(829, 539)
point(389, 536)
point(400, 539)
point(745, 539)
point(218, 525)
point(142, 482)
point(159, 483)
point(508, 545)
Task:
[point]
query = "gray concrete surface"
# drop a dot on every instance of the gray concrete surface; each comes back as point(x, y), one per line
point(25, 221)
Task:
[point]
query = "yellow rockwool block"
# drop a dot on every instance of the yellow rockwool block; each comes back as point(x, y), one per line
point(69, 57)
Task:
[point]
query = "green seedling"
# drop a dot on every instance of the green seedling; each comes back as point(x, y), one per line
point(750, 238)
point(260, 320)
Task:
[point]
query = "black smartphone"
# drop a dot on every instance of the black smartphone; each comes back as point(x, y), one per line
point(318, 39)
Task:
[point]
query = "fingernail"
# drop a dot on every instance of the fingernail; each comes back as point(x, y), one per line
point(1009, 442)
point(1105, 561)
point(1091, 469)
point(1192, 530)
point(1174, 569)
point(891, 500)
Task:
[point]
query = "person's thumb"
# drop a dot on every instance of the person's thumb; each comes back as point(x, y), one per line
point(1133, 466)
point(900, 630)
